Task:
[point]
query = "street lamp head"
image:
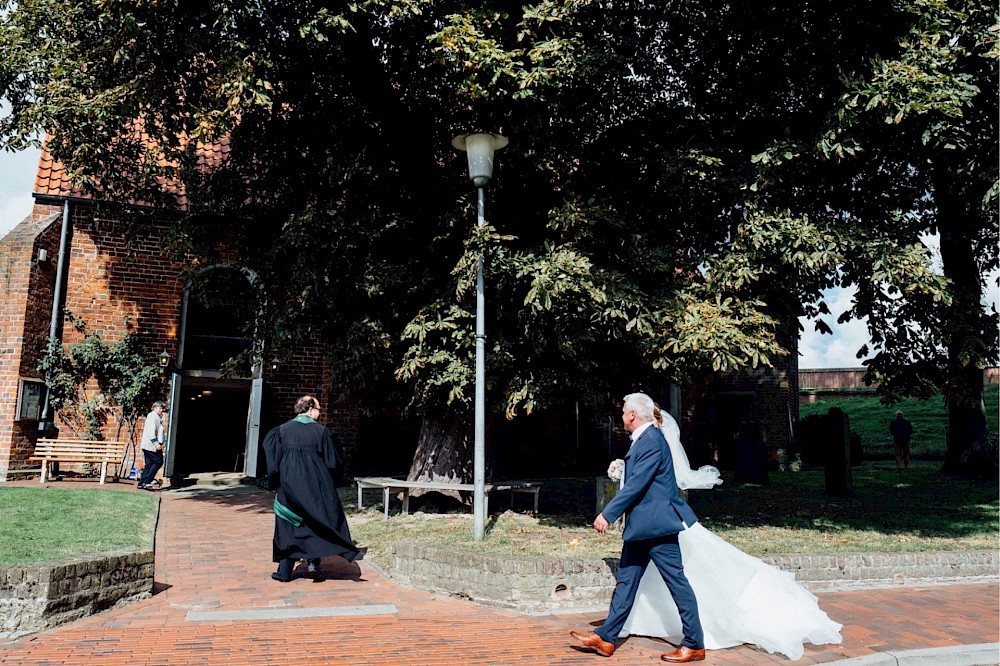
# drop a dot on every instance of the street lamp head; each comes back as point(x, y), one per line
point(480, 149)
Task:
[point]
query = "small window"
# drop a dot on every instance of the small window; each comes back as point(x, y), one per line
point(30, 399)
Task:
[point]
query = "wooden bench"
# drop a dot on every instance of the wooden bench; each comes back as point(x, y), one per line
point(77, 450)
point(388, 484)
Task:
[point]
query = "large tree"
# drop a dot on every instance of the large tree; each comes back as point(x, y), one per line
point(651, 215)
point(912, 143)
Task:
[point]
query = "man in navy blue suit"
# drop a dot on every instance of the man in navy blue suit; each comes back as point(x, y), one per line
point(654, 515)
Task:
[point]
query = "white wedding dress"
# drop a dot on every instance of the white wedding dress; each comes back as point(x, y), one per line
point(740, 598)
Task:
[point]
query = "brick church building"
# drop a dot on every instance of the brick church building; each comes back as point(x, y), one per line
point(216, 422)
point(110, 285)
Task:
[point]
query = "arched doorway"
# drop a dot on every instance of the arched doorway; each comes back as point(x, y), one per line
point(216, 387)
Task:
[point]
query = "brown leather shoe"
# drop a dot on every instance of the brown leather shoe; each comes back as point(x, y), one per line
point(598, 644)
point(683, 655)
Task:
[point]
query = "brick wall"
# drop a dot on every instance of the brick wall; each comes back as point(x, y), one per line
point(26, 288)
point(834, 378)
point(853, 378)
point(41, 596)
point(307, 372)
point(112, 283)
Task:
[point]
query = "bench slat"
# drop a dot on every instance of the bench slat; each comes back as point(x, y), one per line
point(76, 447)
point(102, 449)
point(84, 442)
point(73, 456)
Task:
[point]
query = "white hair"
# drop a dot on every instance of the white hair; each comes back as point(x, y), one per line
point(641, 403)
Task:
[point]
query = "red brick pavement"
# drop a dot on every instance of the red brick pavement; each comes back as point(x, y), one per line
point(213, 554)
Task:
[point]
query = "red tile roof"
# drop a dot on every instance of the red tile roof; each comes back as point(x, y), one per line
point(52, 180)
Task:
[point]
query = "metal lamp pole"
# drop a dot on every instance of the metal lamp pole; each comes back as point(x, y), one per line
point(480, 149)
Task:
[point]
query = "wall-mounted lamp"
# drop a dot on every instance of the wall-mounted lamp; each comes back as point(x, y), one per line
point(275, 364)
point(164, 360)
point(43, 255)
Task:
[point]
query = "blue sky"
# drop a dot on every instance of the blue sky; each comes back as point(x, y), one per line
point(17, 176)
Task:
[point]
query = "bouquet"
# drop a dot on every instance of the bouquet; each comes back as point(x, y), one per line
point(615, 469)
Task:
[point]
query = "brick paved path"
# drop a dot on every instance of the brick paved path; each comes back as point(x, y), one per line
point(213, 557)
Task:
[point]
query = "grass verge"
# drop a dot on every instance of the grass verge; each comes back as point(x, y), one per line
point(870, 419)
point(55, 524)
point(910, 511)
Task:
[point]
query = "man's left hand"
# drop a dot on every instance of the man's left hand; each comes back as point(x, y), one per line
point(601, 523)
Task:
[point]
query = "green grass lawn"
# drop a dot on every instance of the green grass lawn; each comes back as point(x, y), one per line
point(909, 511)
point(870, 419)
point(55, 524)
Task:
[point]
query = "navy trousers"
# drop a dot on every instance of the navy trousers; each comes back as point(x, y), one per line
point(665, 553)
point(154, 461)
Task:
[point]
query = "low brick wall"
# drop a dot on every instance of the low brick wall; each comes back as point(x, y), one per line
point(522, 584)
point(546, 585)
point(37, 597)
point(826, 571)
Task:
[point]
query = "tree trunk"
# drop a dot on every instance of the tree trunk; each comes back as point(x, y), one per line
point(444, 453)
point(968, 452)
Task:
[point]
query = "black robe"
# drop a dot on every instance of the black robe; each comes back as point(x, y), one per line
point(301, 462)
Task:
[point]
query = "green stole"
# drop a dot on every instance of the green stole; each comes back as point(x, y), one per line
point(286, 514)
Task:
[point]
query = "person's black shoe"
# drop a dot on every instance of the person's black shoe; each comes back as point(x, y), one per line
point(284, 572)
point(314, 571)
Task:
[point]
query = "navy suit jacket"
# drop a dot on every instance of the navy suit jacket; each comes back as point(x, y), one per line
point(649, 498)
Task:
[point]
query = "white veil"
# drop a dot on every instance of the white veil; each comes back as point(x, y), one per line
point(687, 478)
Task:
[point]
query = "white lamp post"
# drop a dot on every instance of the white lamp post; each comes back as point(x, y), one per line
point(480, 149)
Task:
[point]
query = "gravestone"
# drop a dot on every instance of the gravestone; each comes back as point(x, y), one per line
point(837, 464)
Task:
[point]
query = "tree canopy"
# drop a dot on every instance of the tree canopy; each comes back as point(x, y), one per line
point(682, 180)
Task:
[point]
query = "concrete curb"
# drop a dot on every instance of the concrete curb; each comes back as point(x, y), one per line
point(984, 654)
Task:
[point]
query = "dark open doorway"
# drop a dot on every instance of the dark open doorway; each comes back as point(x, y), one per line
point(211, 426)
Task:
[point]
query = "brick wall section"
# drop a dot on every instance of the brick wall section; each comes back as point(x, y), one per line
point(566, 585)
point(111, 280)
point(772, 391)
point(834, 378)
point(26, 289)
point(41, 596)
point(308, 372)
point(853, 378)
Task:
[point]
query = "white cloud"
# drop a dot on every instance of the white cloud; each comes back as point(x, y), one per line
point(818, 350)
point(822, 350)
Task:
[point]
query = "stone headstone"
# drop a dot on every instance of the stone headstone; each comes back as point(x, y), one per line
point(837, 465)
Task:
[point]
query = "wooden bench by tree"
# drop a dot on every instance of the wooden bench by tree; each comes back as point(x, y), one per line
point(77, 450)
point(388, 484)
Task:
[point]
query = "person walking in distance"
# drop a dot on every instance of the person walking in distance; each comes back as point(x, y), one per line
point(152, 445)
point(654, 515)
point(902, 431)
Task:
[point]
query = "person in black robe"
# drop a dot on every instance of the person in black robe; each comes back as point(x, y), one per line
point(309, 521)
